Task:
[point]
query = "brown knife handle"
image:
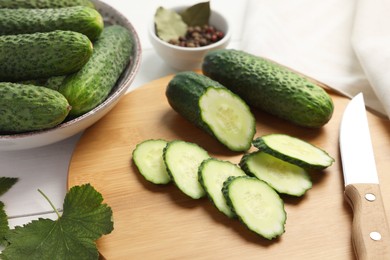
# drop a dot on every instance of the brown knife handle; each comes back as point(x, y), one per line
point(370, 230)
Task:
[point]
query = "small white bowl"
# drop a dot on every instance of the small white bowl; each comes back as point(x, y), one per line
point(67, 129)
point(189, 58)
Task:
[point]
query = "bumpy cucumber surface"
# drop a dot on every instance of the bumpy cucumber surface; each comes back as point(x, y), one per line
point(256, 204)
point(90, 86)
point(284, 177)
point(42, 55)
point(27, 108)
point(268, 86)
point(213, 108)
point(43, 3)
point(52, 82)
point(148, 157)
point(294, 150)
point(182, 160)
point(212, 174)
point(80, 19)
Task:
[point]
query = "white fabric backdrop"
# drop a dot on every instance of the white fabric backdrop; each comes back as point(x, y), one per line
point(324, 40)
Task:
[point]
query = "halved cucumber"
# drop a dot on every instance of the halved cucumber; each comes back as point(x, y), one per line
point(212, 174)
point(148, 157)
point(256, 204)
point(213, 108)
point(294, 150)
point(182, 160)
point(284, 177)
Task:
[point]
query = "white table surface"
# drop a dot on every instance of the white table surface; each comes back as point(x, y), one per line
point(46, 168)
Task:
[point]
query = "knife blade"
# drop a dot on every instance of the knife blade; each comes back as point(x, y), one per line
point(370, 229)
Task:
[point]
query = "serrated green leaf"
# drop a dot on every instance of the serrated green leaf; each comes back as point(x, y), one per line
point(72, 236)
point(48, 239)
point(6, 183)
point(169, 24)
point(198, 14)
point(3, 224)
point(83, 205)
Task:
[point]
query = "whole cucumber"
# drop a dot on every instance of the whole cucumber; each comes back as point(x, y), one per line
point(52, 82)
point(42, 55)
point(268, 86)
point(43, 3)
point(80, 19)
point(28, 108)
point(91, 85)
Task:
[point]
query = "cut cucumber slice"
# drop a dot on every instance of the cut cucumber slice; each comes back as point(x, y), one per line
point(256, 204)
point(229, 118)
point(294, 150)
point(148, 157)
point(212, 174)
point(182, 160)
point(284, 177)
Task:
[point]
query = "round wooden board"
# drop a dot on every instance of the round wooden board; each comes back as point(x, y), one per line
point(160, 222)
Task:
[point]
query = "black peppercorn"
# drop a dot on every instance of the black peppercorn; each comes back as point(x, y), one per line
point(197, 36)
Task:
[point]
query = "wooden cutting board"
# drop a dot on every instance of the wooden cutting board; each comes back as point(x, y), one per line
point(160, 222)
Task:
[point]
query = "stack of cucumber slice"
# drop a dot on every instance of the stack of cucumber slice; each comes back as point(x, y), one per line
point(249, 191)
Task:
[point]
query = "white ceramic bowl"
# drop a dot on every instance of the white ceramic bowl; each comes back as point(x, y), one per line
point(67, 129)
point(185, 58)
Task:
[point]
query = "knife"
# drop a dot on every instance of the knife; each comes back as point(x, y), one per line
point(370, 230)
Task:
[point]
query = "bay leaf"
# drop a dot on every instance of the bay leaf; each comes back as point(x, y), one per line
point(169, 24)
point(197, 15)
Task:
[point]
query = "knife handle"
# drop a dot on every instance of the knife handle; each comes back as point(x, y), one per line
point(370, 230)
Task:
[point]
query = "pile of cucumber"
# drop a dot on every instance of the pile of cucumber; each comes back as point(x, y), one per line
point(58, 60)
point(249, 191)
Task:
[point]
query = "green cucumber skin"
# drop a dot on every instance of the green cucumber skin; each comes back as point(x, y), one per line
point(244, 164)
point(226, 194)
point(80, 19)
point(183, 93)
point(174, 178)
point(28, 108)
point(41, 4)
point(270, 87)
point(91, 85)
point(260, 144)
point(42, 55)
point(151, 176)
point(52, 82)
point(201, 175)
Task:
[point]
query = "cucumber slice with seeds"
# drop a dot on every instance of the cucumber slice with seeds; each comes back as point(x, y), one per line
point(212, 174)
point(148, 157)
point(294, 150)
point(284, 177)
point(182, 160)
point(256, 204)
point(228, 117)
point(213, 108)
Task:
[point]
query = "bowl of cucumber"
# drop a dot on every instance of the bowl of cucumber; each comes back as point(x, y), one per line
point(60, 104)
point(197, 30)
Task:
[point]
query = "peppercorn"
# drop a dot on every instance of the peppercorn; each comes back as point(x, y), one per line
point(197, 36)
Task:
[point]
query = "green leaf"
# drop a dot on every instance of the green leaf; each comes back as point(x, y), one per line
point(72, 236)
point(169, 24)
point(4, 228)
point(198, 14)
point(6, 183)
